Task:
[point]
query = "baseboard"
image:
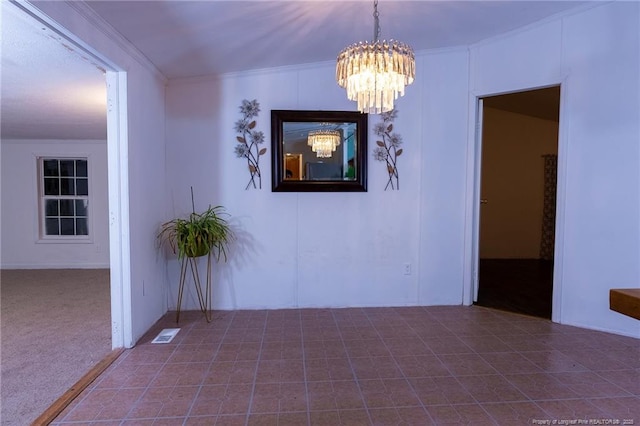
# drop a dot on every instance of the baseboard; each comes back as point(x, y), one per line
point(55, 266)
point(61, 403)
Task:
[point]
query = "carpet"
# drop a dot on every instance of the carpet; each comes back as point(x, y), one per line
point(55, 326)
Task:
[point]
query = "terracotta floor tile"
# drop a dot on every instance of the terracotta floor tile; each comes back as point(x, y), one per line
point(463, 414)
point(571, 409)
point(443, 345)
point(628, 380)
point(263, 420)
point(365, 366)
point(510, 363)
point(379, 367)
point(201, 421)
point(231, 420)
point(136, 422)
point(515, 413)
point(366, 348)
point(289, 370)
point(334, 395)
point(441, 390)
point(209, 400)
point(292, 419)
point(324, 349)
point(468, 364)
point(194, 353)
point(590, 385)
point(322, 369)
point(618, 408)
point(492, 388)
point(554, 361)
point(354, 417)
point(324, 418)
point(596, 360)
point(484, 344)
point(383, 393)
point(180, 374)
point(421, 366)
point(231, 372)
point(541, 386)
point(279, 397)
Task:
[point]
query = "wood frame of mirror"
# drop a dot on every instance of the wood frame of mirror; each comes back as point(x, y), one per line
point(286, 121)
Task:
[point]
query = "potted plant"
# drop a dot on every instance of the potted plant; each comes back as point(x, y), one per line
point(207, 233)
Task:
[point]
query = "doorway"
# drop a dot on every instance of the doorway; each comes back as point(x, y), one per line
point(518, 186)
point(117, 165)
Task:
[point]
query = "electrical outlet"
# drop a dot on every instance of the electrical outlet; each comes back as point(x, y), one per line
point(407, 269)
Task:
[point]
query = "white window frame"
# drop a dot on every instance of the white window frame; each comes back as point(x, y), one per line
point(43, 237)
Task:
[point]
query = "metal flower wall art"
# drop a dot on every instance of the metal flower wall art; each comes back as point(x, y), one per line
point(249, 141)
point(388, 149)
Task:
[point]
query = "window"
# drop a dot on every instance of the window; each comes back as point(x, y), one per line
point(64, 207)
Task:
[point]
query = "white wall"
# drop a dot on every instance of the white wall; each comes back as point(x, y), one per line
point(595, 55)
point(145, 302)
point(278, 262)
point(284, 256)
point(22, 247)
point(281, 261)
point(513, 183)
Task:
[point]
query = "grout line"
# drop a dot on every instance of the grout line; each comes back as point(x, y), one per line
point(67, 398)
point(353, 372)
point(255, 374)
point(398, 365)
point(211, 361)
point(304, 368)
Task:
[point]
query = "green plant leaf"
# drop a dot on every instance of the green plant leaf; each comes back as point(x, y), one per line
point(201, 233)
point(262, 151)
point(241, 139)
point(399, 152)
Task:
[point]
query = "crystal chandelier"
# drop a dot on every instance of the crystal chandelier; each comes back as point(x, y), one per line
point(324, 142)
point(375, 73)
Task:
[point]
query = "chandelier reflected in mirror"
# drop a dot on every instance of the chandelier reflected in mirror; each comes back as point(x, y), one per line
point(324, 142)
point(376, 73)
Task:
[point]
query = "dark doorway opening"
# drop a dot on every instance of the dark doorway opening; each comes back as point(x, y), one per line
point(518, 201)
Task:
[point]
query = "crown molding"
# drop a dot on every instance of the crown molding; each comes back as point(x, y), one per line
point(105, 28)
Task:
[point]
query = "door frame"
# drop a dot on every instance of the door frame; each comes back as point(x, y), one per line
point(118, 177)
point(472, 196)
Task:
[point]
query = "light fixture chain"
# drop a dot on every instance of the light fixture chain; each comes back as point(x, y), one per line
point(376, 21)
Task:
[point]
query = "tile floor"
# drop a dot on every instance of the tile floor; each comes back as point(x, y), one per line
point(373, 366)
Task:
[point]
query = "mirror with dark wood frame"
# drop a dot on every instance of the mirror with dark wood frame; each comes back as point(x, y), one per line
point(318, 151)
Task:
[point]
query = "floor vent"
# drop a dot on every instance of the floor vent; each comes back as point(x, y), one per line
point(166, 335)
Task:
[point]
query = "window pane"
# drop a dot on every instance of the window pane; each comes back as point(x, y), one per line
point(66, 207)
point(66, 226)
point(82, 187)
point(67, 186)
point(51, 208)
point(51, 227)
point(81, 207)
point(81, 227)
point(51, 186)
point(67, 168)
point(50, 167)
point(81, 168)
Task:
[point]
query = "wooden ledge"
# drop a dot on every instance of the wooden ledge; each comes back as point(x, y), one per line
point(61, 403)
point(625, 301)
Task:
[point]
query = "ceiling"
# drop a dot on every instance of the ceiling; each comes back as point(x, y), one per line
point(50, 91)
point(541, 103)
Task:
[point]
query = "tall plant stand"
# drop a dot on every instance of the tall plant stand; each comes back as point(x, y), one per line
point(204, 295)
